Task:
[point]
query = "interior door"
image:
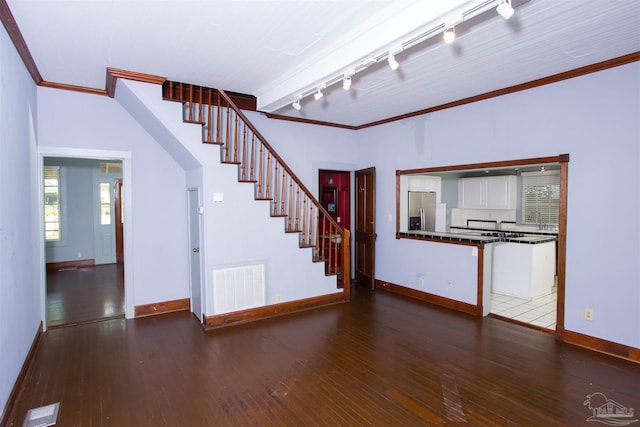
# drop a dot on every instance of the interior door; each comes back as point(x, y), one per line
point(365, 233)
point(194, 253)
point(117, 199)
point(104, 228)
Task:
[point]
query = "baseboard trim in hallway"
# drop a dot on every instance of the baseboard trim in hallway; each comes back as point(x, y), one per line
point(22, 376)
point(162, 307)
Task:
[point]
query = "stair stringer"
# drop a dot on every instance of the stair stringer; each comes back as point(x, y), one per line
point(239, 230)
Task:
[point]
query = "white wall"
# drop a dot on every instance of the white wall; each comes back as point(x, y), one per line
point(594, 118)
point(158, 222)
point(20, 256)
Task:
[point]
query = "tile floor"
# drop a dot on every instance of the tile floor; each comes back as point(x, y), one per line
point(540, 311)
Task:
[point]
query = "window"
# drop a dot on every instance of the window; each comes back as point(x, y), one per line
point(541, 197)
point(105, 203)
point(52, 203)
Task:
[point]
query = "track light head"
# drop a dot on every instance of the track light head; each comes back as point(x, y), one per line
point(318, 95)
point(393, 64)
point(449, 35)
point(505, 9)
point(296, 104)
point(346, 82)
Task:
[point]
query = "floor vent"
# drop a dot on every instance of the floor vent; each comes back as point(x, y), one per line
point(42, 416)
point(238, 288)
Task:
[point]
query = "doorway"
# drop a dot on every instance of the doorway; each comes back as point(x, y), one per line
point(365, 227)
point(82, 206)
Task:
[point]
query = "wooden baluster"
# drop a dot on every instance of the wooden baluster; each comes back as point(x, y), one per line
point(190, 103)
point(235, 139)
point(209, 118)
point(297, 224)
point(200, 118)
point(219, 119)
point(304, 222)
point(253, 160)
point(283, 190)
point(290, 210)
point(268, 176)
point(181, 97)
point(243, 168)
point(260, 174)
point(322, 239)
point(311, 219)
point(274, 203)
point(227, 138)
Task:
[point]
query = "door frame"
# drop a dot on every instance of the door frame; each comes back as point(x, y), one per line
point(127, 177)
point(367, 171)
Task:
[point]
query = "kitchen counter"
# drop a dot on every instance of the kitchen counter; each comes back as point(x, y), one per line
point(450, 237)
point(530, 239)
point(506, 229)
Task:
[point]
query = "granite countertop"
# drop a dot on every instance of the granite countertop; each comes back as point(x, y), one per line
point(450, 237)
point(530, 239)
point(507, 229)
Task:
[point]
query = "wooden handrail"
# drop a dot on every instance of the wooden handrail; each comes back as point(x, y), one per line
point(276, 156)
point(272, 177)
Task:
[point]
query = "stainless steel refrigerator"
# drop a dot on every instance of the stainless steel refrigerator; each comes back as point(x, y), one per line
point(422, 210)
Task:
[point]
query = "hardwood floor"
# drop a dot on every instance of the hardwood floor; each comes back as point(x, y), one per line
point(381, 360)
point(85, 294)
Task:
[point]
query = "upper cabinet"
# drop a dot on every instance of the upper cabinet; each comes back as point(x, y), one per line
point(426, 183)
point(496, 192)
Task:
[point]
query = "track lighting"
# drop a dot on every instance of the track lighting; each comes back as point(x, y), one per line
point(388, 52)
point(318, 95)
point(505, 9)
point(449, 35)
point(393, 64)
point(346, 82)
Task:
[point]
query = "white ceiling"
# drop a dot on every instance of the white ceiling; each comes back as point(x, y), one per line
point(276, 49)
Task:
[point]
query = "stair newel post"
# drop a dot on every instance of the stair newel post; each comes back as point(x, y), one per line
point(346, 265)
point(218, 118)
point(253, 160)
point(274, 202)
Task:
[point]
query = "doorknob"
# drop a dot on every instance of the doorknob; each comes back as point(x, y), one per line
point(195, 250)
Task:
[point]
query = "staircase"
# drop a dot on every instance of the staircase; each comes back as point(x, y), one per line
point(224, 124)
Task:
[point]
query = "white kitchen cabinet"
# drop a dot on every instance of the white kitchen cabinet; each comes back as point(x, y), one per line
point(495, 192)
point(426, 183)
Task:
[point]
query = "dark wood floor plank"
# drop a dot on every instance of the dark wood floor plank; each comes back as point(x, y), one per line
point(380, 360)
point(85, 294)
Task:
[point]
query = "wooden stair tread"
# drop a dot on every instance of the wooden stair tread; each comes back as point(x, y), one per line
point(213, 142)
point(195, 122)
point(231, 162)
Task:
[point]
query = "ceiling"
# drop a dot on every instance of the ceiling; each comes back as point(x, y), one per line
point(279, 49)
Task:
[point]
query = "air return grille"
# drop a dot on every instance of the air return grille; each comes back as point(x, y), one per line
point(238, 288)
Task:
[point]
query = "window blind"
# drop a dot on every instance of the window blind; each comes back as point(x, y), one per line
point(541, 197)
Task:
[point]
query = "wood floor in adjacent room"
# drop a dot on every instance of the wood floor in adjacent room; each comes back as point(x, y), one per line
point(381, 360)
point(85, 294)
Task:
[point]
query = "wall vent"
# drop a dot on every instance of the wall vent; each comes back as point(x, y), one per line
point(238, 288)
